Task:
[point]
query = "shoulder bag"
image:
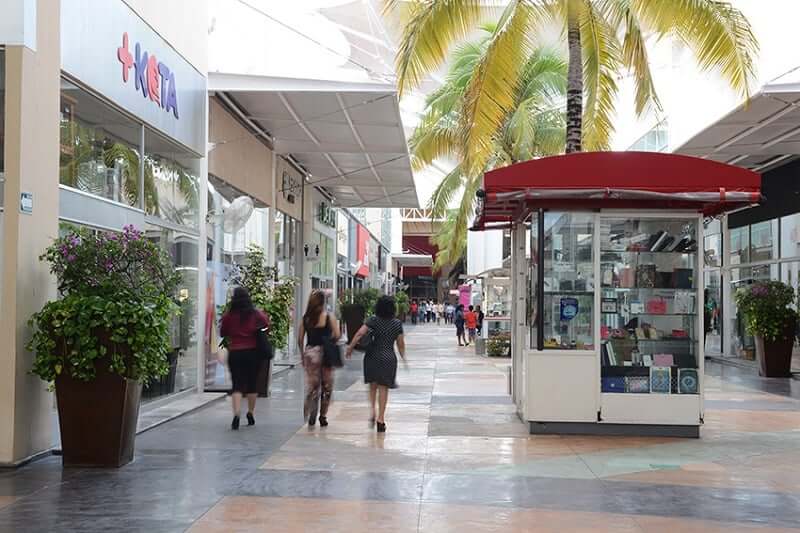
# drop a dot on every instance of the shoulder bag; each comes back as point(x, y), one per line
point(331, 353)
point(263, 344)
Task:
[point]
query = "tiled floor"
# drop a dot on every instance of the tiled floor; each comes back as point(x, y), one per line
point(455, 458)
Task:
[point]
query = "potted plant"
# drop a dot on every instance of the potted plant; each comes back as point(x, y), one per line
point(355, 306)
point(106, 335)
point(770, 319)
point(403, 304)
point(271, 294)
point(499, 345)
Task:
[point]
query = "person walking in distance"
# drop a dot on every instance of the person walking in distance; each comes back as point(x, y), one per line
point(471, 321)
point(239, 327)
point(380, 361)
point(458, 320)
point(414, 311)
point(423, 311)
point(316, 325)
point(480, 316)
point(439, 312)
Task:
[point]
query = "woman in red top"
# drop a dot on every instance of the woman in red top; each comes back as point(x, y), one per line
point(239, 327)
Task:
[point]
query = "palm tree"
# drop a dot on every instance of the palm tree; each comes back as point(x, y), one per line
point(533, 127)
point(603, 38)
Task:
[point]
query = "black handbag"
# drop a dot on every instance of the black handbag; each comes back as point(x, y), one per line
point(331, 353)
point(263, 344)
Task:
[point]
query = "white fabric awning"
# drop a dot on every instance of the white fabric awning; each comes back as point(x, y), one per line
point(413, 260)
point(758, 135)
point(349, 136)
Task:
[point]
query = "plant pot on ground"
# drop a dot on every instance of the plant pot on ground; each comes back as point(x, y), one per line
point(107, 334)
point(769, 317)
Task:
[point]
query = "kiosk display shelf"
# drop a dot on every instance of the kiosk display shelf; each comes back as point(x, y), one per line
point(649, 306)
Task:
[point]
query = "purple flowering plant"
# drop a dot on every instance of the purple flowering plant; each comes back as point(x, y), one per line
point(117, 298)
point(767, 309)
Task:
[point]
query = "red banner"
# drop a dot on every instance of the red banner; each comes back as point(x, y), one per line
point(362, 253)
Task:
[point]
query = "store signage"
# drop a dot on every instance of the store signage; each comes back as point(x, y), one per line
point(151, 76)
point(142, 73)
point(288, 185)
point(26, 203)
point(569, 308)
point(326, 214)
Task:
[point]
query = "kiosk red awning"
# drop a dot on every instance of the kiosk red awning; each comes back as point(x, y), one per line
point(614, 180)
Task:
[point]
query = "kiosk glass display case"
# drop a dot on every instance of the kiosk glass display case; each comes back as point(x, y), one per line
point(649, 327)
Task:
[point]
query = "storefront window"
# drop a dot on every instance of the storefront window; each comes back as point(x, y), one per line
point(223, 252)
point(182, 248)
point(286, 230)
point(713, 250)
point(99, 147)
point(764, 237)
point(569, 281)
point(171, 185)
point(740, 245)
point(790, 236)
point(712, 308)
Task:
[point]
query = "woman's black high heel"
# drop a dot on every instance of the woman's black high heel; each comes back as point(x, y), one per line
point(381, 427)
point(323, 421)
point(251, 420)
point(235, 423)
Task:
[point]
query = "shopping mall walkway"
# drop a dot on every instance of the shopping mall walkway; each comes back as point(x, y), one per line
point(455, 458)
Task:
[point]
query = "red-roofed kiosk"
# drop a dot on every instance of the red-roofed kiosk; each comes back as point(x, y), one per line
point(608, 300)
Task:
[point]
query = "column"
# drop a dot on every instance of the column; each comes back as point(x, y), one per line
point(31, 155)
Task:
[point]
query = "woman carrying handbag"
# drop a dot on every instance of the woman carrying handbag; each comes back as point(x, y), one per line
point(316, 339)
point(243, 329)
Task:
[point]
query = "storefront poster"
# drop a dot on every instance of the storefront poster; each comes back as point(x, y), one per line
point(362, 253)
point(465, 295)
point(569, 308)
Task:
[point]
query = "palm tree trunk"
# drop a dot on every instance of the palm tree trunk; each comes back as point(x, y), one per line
point(574, 82)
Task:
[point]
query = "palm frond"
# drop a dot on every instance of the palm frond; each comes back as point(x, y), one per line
point(452, 240)
point(719, 35)
point(491, 92)
point(620, 14)
point(601, 62)
point(432, 27)
point(453, 182)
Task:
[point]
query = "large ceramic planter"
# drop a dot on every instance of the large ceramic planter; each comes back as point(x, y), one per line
point(98, 418)
point(775, 356)
point(353, 317)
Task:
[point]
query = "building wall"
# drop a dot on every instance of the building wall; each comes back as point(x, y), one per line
point(31, 161)
point(238, 157)
point(182, 23)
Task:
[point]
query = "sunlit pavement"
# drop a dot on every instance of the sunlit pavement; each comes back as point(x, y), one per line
point(455, 458)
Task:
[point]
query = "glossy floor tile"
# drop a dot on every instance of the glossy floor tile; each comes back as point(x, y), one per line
point(456, 458)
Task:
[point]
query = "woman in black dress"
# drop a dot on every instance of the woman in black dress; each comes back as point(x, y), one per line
point(380, 361)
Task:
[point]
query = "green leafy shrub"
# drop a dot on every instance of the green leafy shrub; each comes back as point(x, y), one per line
point(365, 298)
point(270, 293)
point(766, 308)
point(402, 303)
point(498, 345)
point(117, 300)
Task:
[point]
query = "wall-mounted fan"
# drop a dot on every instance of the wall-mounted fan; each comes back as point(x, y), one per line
point(234, 216)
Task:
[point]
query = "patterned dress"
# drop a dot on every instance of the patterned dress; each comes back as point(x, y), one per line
point(380, 361)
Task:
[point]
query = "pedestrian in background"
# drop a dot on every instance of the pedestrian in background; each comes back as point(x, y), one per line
point(439, 312)
point(481, 316)
point(471, 322)
point(239, 327)
point(316, 325)
point(380, 361)
point(423, 311)
point(458, 320)
point(414, 311)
